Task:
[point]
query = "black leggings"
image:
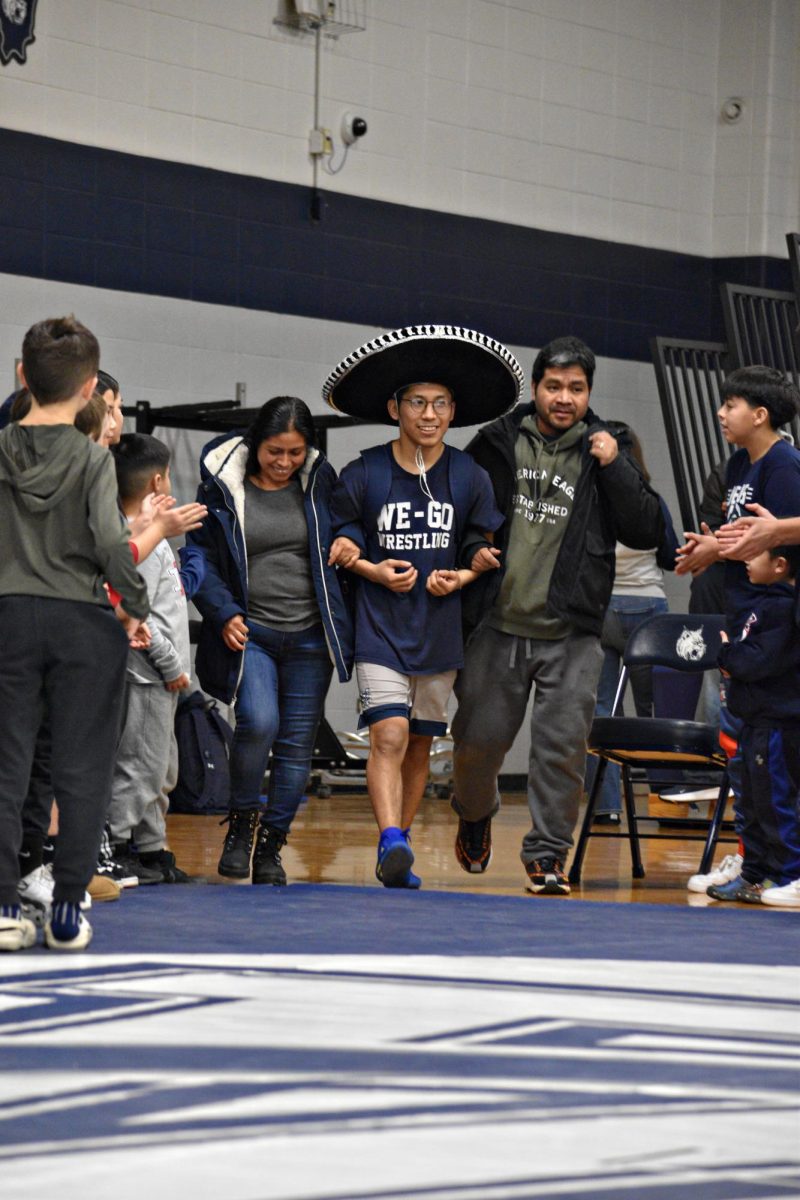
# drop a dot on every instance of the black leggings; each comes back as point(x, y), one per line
point(67, 659)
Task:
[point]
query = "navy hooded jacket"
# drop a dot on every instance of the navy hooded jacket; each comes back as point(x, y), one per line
point(763, 660)
point(223, 591)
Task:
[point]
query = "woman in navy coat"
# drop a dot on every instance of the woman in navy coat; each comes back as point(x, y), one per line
point(275, 619)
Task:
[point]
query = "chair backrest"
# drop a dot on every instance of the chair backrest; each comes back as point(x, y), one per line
point(676, 693)
point(683, 641)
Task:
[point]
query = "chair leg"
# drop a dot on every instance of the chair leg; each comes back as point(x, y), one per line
point(637, 868)
point(714, 826)
point(585, 833)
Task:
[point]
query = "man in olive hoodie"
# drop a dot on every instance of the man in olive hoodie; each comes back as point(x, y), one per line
point(62, 649)
point(569, 492)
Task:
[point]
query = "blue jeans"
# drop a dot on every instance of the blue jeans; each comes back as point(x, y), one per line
point(278, 709)
point(624, 614)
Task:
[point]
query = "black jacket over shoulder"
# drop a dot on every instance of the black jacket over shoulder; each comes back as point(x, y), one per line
point(611, 504)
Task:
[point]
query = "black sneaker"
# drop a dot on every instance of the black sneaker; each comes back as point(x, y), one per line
point(164, 861)
point(606, 818)
point(234, 861)
point(108, 866)
point(130, 863)
point(546, 877)
point(267, 866)
point(474, 845)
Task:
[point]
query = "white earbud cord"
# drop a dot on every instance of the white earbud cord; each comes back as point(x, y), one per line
point(419, 463)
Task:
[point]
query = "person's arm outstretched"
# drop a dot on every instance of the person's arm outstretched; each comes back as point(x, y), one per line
point(112, 548)
point(752, 535)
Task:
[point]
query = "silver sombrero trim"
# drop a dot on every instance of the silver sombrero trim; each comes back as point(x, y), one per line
point(412, 333)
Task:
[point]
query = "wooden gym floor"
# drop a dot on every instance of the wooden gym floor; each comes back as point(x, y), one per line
point(333, 841)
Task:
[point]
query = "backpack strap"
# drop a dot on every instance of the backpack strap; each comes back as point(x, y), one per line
point(459, 477)
point(378, 473)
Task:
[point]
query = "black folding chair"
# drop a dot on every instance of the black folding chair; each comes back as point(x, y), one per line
point(684, 643)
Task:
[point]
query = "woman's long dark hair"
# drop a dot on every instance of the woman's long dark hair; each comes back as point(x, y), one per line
point(281, 414)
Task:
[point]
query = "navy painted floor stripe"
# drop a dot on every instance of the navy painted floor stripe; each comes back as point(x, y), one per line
point(319, 919)
point(396, 1062)
point(724, 1188)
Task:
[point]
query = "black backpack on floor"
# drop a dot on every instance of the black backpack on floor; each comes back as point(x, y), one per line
point(204, 740)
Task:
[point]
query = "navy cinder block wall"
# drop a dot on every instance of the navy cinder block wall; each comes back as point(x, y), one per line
point(97, 217)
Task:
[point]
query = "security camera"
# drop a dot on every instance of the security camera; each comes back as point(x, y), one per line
point(353, 128)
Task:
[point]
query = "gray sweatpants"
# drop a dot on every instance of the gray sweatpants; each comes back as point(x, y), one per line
point(492, 690)
point(146, 769)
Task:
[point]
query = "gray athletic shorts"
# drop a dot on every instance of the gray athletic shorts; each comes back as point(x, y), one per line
point(421, 699)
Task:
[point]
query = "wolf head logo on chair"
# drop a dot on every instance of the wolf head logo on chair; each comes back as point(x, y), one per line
point(690, 645)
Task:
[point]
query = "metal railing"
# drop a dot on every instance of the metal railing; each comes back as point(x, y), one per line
point(689, 375)
point(760, 325)
point(793, 244)
point(218, 416)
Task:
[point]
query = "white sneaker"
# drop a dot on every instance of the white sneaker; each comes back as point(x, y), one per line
point(787, 896)
point(730, 868)
point(35, 891)
point(691, 795)
point(17, 933)
point(44, 882)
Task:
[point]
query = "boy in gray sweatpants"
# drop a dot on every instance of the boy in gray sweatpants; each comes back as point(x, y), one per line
point(146, 770)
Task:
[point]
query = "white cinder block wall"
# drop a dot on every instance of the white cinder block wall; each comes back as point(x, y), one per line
point(590, 117)
point(596, 117)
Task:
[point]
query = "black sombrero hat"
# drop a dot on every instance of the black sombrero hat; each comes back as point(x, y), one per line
point(485, 378)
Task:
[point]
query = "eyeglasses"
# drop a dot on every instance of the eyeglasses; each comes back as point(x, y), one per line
point(418, 405)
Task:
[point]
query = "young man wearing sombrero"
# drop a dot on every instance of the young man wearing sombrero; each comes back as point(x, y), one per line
point(569, 491)
point(402, 512)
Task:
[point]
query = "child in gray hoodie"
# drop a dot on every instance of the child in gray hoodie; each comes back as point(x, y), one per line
point(62, 647)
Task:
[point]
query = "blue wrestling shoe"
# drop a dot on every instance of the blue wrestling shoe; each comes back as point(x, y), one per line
point(395, 859)
point(411, 880)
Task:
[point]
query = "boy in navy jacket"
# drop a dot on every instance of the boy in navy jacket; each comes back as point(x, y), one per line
point(762, 662)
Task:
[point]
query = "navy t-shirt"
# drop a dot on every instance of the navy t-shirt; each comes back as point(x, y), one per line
point(411, 632)
point(772, 481)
